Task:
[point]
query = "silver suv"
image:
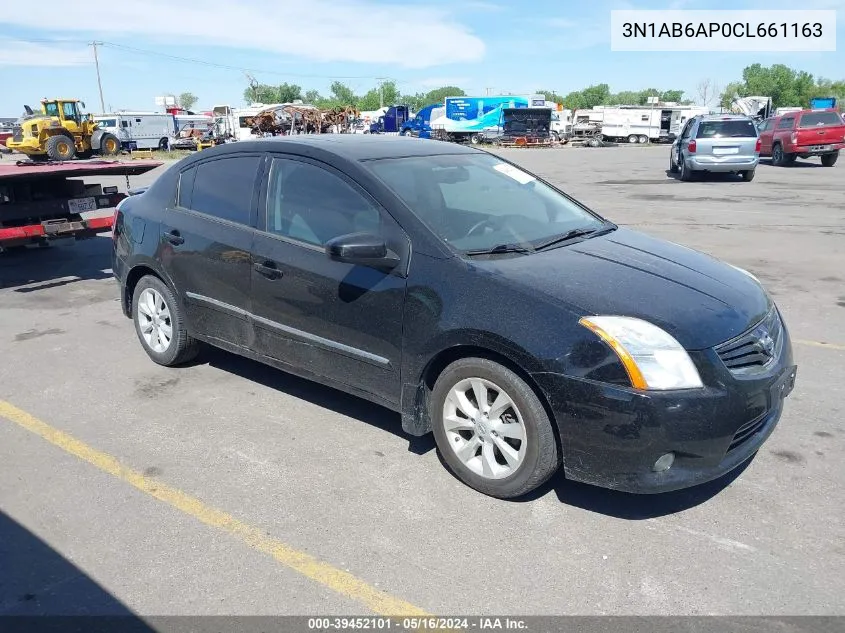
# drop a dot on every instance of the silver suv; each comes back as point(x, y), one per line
point(716, 143)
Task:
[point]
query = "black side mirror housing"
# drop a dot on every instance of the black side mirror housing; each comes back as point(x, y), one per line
point(363, 249)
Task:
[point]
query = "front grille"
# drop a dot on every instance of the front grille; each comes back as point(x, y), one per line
point(17, 133)
point(747, 431)
point(755, 348)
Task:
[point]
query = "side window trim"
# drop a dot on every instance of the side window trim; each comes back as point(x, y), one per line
point(264, 208)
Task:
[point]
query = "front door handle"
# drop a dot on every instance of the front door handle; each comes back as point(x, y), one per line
point(268, 269)
point(174, 237)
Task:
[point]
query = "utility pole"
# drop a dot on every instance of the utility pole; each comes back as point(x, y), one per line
point(381, 81)
point(99, 81)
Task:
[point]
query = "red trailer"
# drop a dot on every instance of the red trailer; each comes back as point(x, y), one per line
point(46, 201)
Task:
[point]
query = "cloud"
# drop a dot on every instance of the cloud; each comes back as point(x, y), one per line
point(358, 31)
point(16, 53)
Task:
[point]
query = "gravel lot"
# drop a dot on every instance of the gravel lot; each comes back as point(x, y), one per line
point(334, 477)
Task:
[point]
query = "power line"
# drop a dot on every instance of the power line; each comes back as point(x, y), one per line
point(203, 62)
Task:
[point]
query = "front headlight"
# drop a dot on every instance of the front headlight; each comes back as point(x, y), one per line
point(652, 357)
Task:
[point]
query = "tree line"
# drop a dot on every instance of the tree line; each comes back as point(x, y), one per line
point(786, 86)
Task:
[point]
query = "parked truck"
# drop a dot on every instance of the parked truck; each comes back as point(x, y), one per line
point(41, 202)
point(466, 119)
point(139, 130)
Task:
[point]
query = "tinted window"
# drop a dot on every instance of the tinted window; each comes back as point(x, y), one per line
point(726, 129)
point(764, 125)
point(476, 201)
point(224, 187)
point(820, 119)
point(786, 123)
point(311, 204)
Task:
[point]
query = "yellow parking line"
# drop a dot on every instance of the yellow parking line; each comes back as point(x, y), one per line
point(335, 579)
point(799, 341)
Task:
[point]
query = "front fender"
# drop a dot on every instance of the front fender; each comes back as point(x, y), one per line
point(97, 138)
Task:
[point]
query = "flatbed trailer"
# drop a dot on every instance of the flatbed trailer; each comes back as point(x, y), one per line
point(44, 201)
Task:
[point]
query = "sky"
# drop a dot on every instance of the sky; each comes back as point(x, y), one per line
point(159, 47)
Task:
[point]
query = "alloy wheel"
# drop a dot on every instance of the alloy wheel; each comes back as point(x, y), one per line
point(154, 320)
point(484, 428)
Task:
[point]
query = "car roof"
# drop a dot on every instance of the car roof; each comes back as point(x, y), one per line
point(355, 147)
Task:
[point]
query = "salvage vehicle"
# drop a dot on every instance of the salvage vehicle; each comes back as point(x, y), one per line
point(718, 143)
point(480, 302)
point(61, 131)
point(804, 134)
point(42, 202)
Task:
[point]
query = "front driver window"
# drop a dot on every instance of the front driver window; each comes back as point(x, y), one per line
point(310, 204)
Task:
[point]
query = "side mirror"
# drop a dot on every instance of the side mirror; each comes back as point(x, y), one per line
point(362, 249)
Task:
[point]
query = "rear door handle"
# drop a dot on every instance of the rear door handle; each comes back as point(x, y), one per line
point(173, 237)
point(268, 269)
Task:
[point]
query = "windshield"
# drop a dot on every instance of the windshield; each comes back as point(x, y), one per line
point(475, 202)
point(725, 129)
point(820, 119)
point(107, 122)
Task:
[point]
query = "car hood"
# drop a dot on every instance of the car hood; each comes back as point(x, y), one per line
point(696, 298)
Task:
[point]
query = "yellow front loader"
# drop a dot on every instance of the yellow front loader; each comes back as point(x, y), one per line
point(60, 132)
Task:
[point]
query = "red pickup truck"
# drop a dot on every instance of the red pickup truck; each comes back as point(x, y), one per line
point(806, 133)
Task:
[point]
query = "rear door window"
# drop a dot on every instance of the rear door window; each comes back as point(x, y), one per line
point(726, 129)
point(225, 187)
point(786, 124)
point(820, 119)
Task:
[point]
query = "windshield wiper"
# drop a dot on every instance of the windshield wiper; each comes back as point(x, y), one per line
point(501, 248)
point(571, 235)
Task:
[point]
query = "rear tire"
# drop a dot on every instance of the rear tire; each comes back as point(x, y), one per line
point(521, 429)
point(160, 323)
point(60, 147)
point(643, 139)
point(829, 160)
point(747, 175)
point(162, 145)
point(633, 139)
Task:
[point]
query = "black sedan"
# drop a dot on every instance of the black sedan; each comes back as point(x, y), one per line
point(482, 303)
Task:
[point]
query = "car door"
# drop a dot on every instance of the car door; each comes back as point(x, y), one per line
point(783, 131)
point(684, 140)
point(205, 244)
point(322, 317)
point(765, 130)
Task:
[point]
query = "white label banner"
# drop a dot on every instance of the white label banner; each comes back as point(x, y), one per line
point(723, 31)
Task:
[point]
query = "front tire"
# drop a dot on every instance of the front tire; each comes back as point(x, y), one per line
point(491, 429)
point(160, 323)
point(109, 145)
point(686, 172)
point(829, 160)
point(673, 166)
point(60, 147)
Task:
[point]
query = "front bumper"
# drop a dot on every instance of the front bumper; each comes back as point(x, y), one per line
point(722, 163)
point(612, 436)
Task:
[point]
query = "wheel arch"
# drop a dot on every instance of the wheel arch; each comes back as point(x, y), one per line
point(134, 275)
point(416, 419)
